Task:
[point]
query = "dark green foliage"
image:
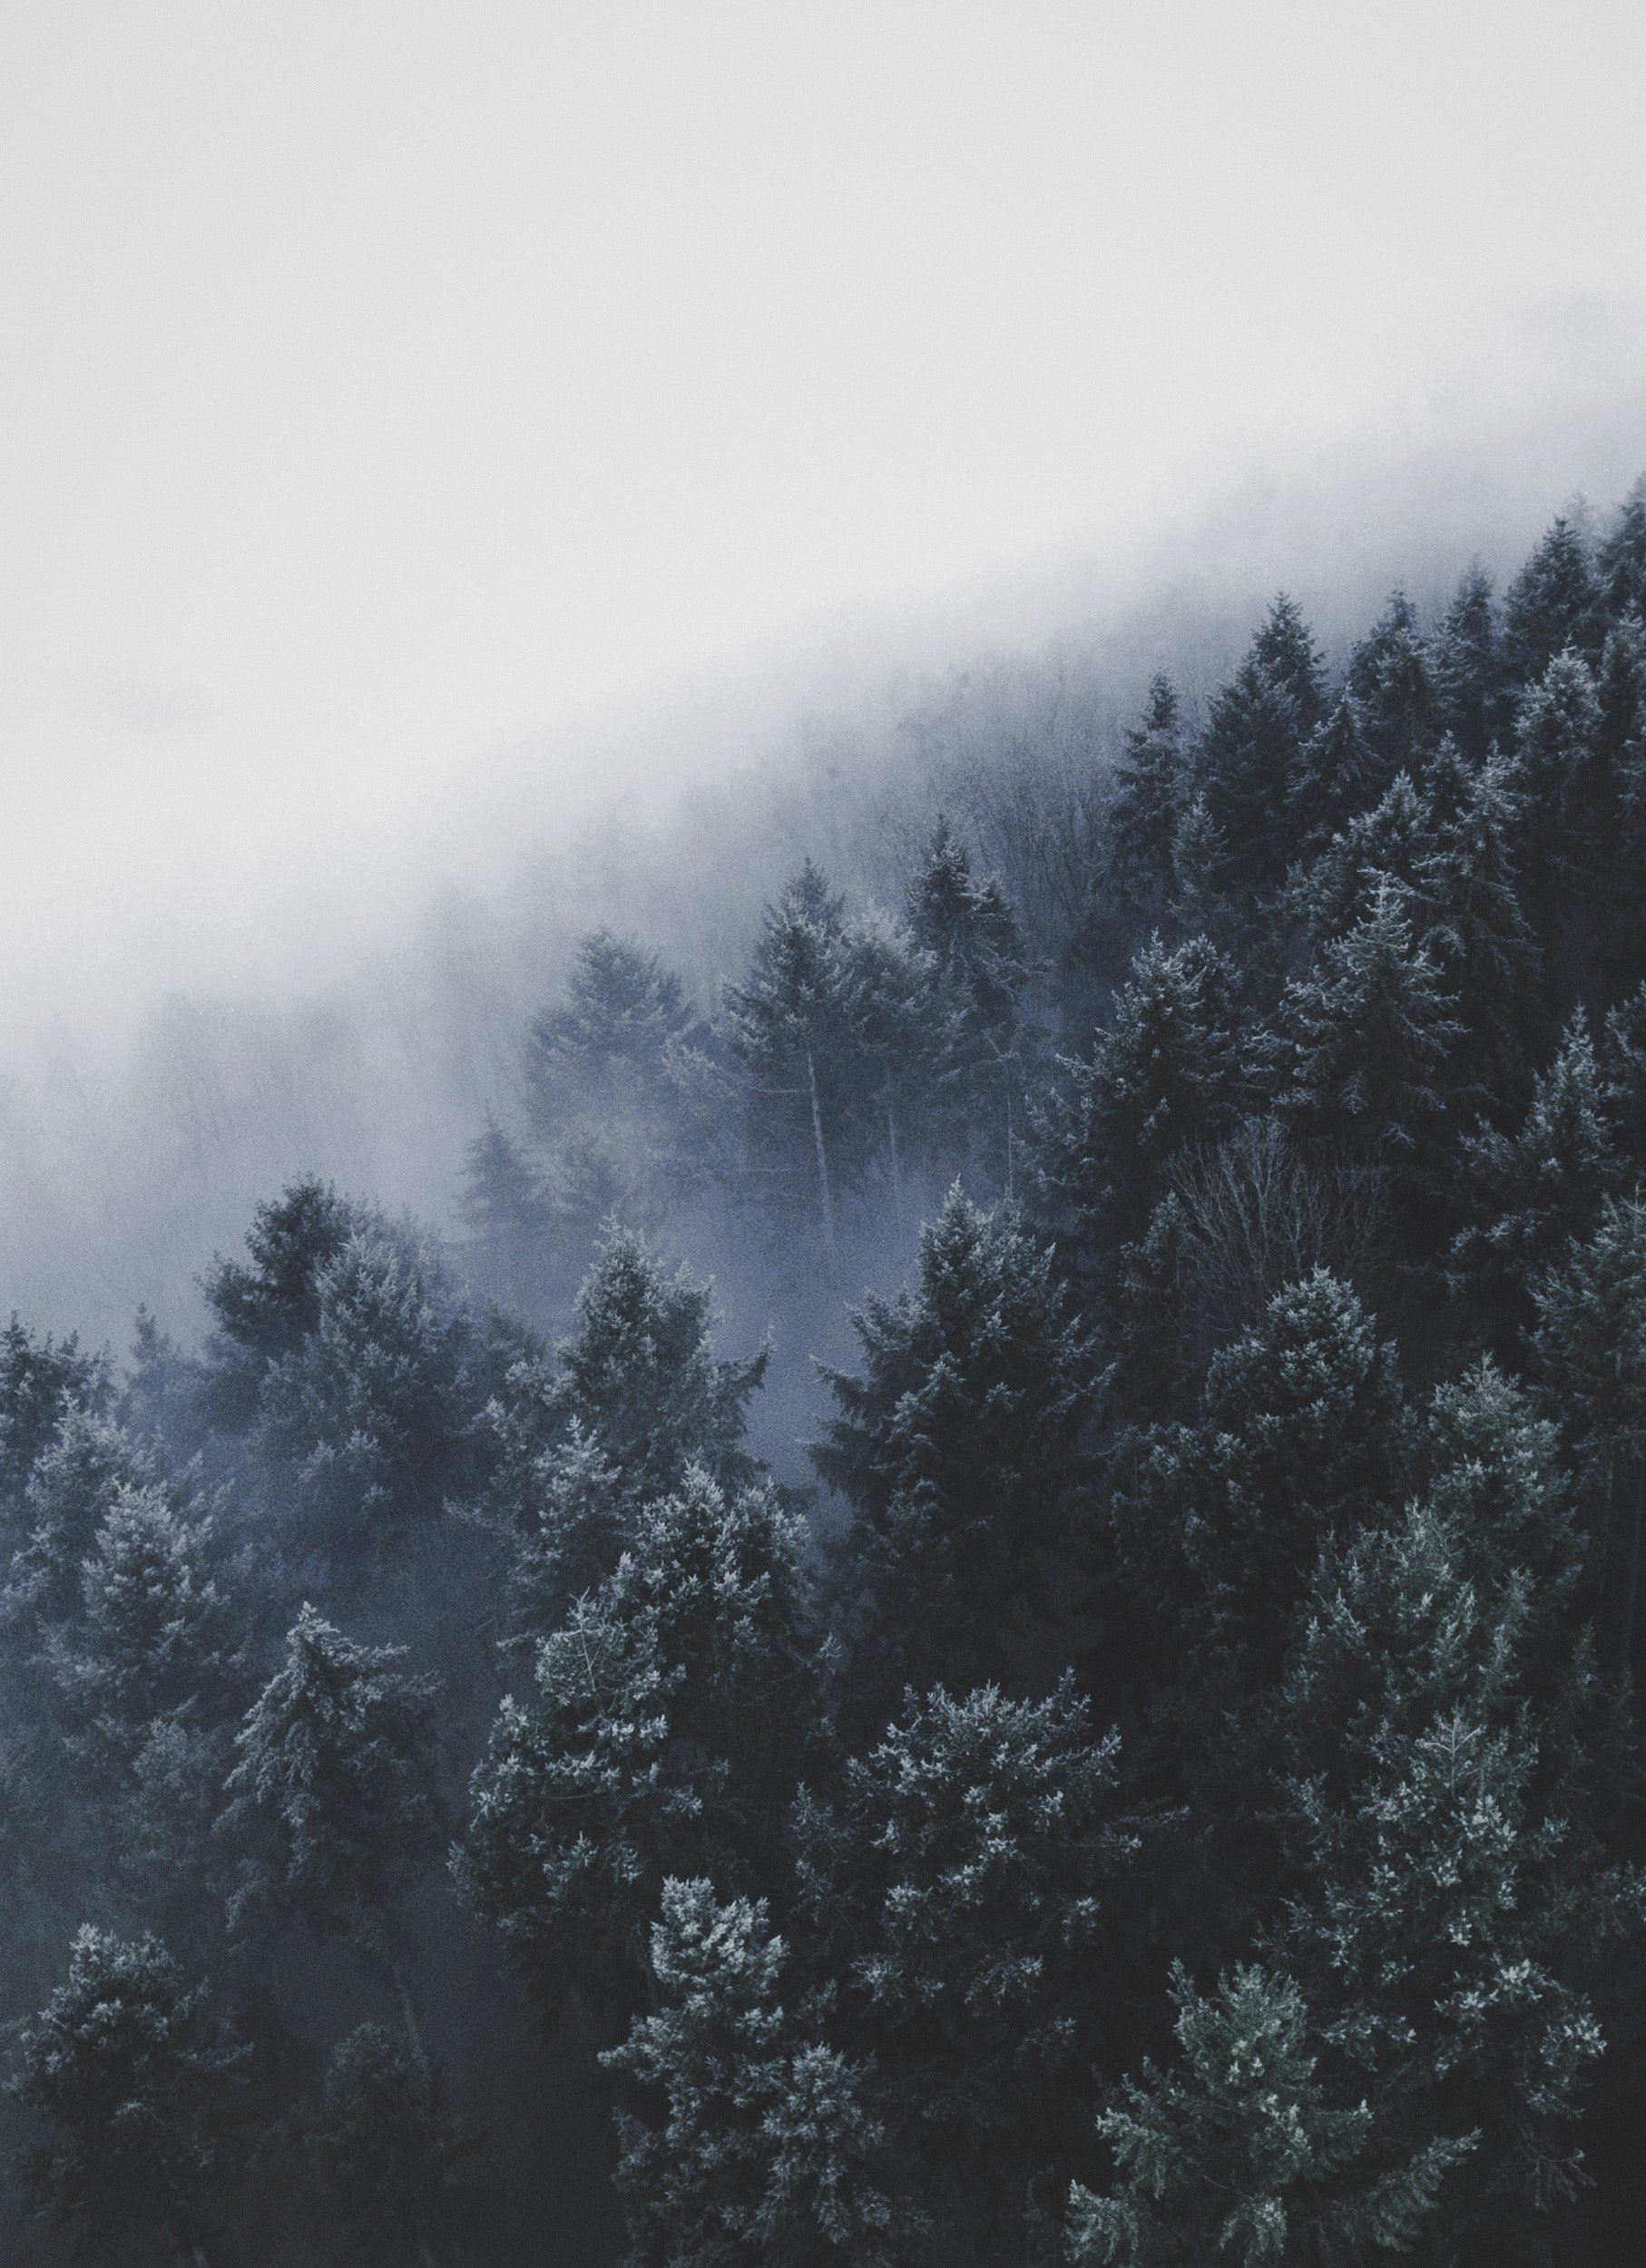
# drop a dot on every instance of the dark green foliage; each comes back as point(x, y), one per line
point(1391, 677)
point(332, 1807)
point(956, 1449)
point(386, 2163)
point(1148, 807)
point(1468, 666)
point(962, 1894)
point(1549, 605)
point(674, 1710)
point(1169, 1071)
point(132, 2082)
point(610, 1040)
point(1243, 2152)
point(767, 2154)
point(265, 1311)
point(509, 1215)
point(1334, 776)
point(1252, 746)
point(38, 1378)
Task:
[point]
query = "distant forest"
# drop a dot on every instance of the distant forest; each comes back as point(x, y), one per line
point(1134, 1758)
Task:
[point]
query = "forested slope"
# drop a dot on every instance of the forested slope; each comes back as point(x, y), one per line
point(1156, 1779)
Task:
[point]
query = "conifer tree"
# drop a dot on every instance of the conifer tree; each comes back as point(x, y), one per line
point(767, 2154)
point(1392, 840)
point(1623, 1057)
point(1482, 943)
point(1468, 666)
point(957, 1451)
point(265, 1311)
point(675, 1709)
point(968, 1033)
point(1335, 775)
point(332, 1806)
point(962, 1897)
point(1365, 1039)
point(509, 1216)
point(1549, 605)
point(388, 2162)
point(1620, 562)
point(609, 1044)
point(636, 1398)
point(1533, 1190)
point(1554, 778)
point(1169, 1071)
point(1147, 805)
point(132, 2082)
point(1245, 2153)
point(39, 1379)
point(1591, 1346)
point(155, 1639)
point(1447, 1912)
point(1389, 676)
point(1250, 749)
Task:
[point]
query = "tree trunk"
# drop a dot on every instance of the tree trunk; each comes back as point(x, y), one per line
point(897, 1164)
point(823, 1189)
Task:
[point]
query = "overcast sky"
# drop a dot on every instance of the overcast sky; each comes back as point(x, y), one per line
point(383, 384)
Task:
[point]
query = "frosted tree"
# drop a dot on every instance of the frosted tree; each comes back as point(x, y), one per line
point(130, 2085)
point(764, 2152)
point(390, 2165)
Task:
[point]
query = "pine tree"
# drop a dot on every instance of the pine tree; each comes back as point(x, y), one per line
point(39, 1379)
point(1148, 804)
point(1554, 779)
point(1365, 1042)
point(1249, 751)
point(1168, 1071)
point(1590, 1347)
point(388, 2162)
point(509, 1216)
point(968, 1033)
point(154, 1640)
point(767, 2154)
point(609, 1044)
point(1622, 1056)
point(134, 2084)
point(1245, 2155)
point(1549, 605)
point(332, 1806)
point(1392, 841)
point(791, 1031)
point(1389, 676)
point(265, 1311)
point(1529, 1192)
point(1217, 1525)
point(1445, 1911)
point(1337, 775)
point(1467, 667)
point(957, 1451)
point(675, 1709)
point(1482, 943)
point(962, 1899)
point(1621, 559)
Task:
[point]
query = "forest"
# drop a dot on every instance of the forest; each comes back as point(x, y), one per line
point(1133, 1756)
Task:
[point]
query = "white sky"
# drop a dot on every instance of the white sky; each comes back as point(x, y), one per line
point(381, 384)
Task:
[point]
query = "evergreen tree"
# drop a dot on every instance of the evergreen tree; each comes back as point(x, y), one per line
point(961, 1892)
point(388, 2163)
point(674, 1710)
point(265, 1311)
point(39, 1379)
point(1168, 1071)
point(1622, 1055)
point(792, 1032)
point(154, 1640)
point(332, 1806)
point(509, 1216)
point(609, 1044)
point(1447, 1910)
point(132, 2082)
point(1244, 2154)
point(1392, 841)
point(1590, 1347)
point(1481, 940)
point(1365, 1039)
point(767, 2155)
point(1549, 605)
point(1531, 1192)
point(1621, 559)
point(1467, 667)
point(1554, 778)
point(1250, 749)
point(636, 1398)
point(1217, 1525)
point(957, 1451)
point(1389, 676)
point(1335, 775)
point(76, 1482)
point(1147, 805)
point(968, 1033)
